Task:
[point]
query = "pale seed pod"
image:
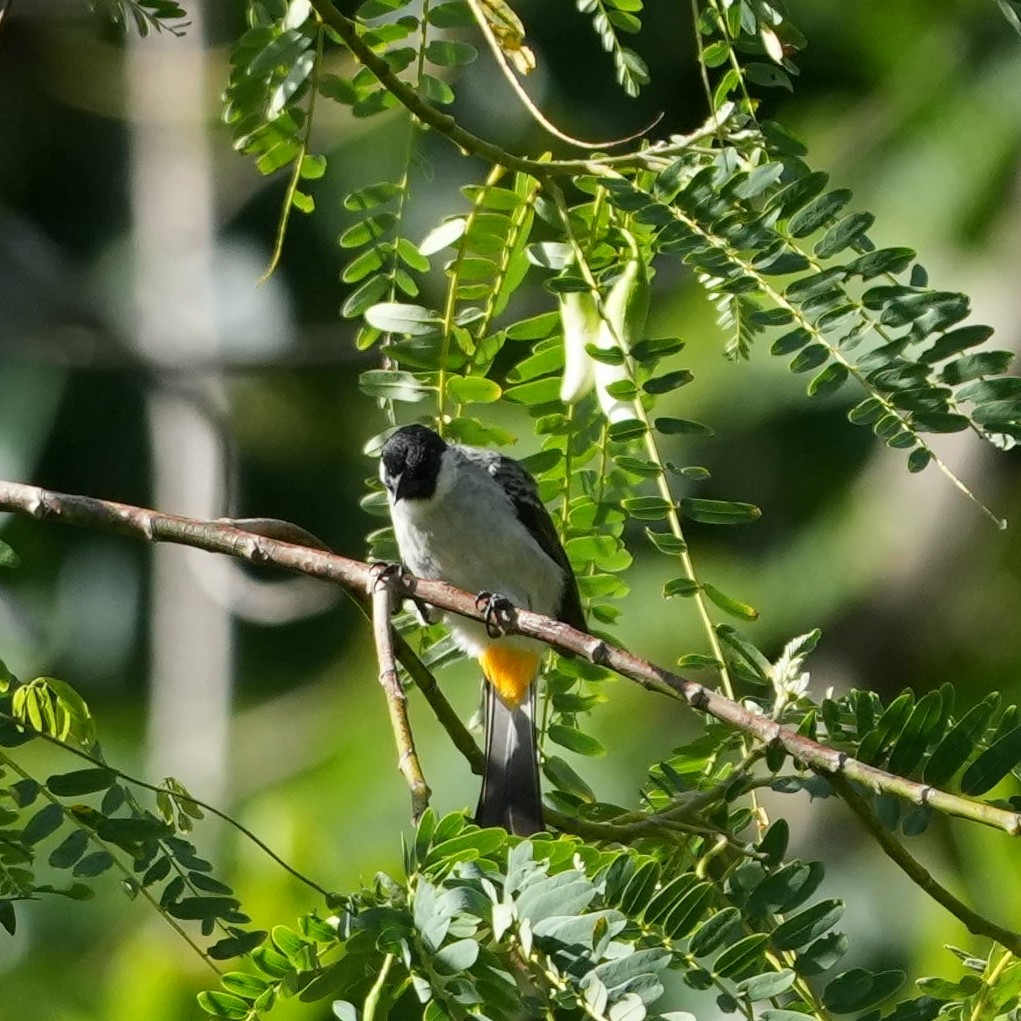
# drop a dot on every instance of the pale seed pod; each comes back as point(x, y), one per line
point(626, 309)
point(580, 321)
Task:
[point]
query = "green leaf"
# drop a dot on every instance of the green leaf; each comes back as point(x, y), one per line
point(846, 231)
point(939, 422)
point(620, 970)
point(237, 946)
point(879, 262)
point(93, 865)
point(715, 931)
point(732, 606)
point(775, 840)
point(133, 830)
point(479, 841)
point(539, 391)
point(822, 954)
point(718, 512)
point(46, 821)
point(792, 341)
point(741, 956)
point(446, 234)
point(473, 389)
point(456, 957)
point(8, 558)
point(456, 14)
point(786, 889)
point(647, 508)
point(225, 1005)
point(575, 740)
point(272, 963)
point(759, 180)
point(918, 731)
point(244, 984)
point(828, 381)
point(450, 53)
point(919, 459)
point(667, 382)
point(954, 342)
point(666, 542)
point(985, 363)
point(654, 348)
point(750, 655)
point(866, 412)
point(810, 218)
point(371, 196)
point(958, 743)
point(8, 919)
point(805, 926)
point(687, 913)
point(622, 389)
point(681, 426)
point(698, 660)
point(83, 781)
point(626, 429)
point(859, 989)
point(543, 362)
point(370, 229)
point(198, 908)
point(797, 194)
point(680, 587)
point(567, 893)
point(809, 358)
point(766, 985)
point(397, 317)
point(639, 466)
point(993, 764)
point(70, 849)
point(566, 779)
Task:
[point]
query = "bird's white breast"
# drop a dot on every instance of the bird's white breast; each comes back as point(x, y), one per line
point(469, 535)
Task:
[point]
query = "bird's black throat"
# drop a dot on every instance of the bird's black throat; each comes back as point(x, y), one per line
point(411, 462)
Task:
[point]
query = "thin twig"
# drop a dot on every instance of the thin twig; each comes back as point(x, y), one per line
point(129, 878)
point(218, 537)
point(383, 598)
point(179, 795)
point(919, 874)
point(526, 100)
point(274, 528)
point(423, 679)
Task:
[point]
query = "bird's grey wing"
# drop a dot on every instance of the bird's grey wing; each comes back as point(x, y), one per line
point(532, 513)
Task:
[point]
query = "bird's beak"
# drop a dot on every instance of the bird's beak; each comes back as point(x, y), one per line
point(393, 484)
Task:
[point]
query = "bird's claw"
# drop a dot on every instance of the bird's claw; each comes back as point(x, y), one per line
point(385, 574)
point(497, 611)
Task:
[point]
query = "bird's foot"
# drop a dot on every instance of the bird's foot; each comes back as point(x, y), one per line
point(498, 613)
point(396, 574)
point(385, 574)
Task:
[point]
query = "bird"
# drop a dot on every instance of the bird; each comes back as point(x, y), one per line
point(473, 518)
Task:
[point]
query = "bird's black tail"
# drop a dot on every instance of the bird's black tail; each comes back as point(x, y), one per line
point(510, 785)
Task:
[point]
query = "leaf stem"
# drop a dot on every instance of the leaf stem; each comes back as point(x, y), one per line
point(292, 183)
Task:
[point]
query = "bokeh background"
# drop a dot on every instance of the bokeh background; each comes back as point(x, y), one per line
point(141, 361)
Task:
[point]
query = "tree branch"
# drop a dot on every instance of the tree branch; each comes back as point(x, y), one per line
point(919, 874)
point(473, 145)
point(419, 673)
point(354, 575)
point(383, 597)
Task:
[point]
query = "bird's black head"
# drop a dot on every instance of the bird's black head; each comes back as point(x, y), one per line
point(410, 462)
